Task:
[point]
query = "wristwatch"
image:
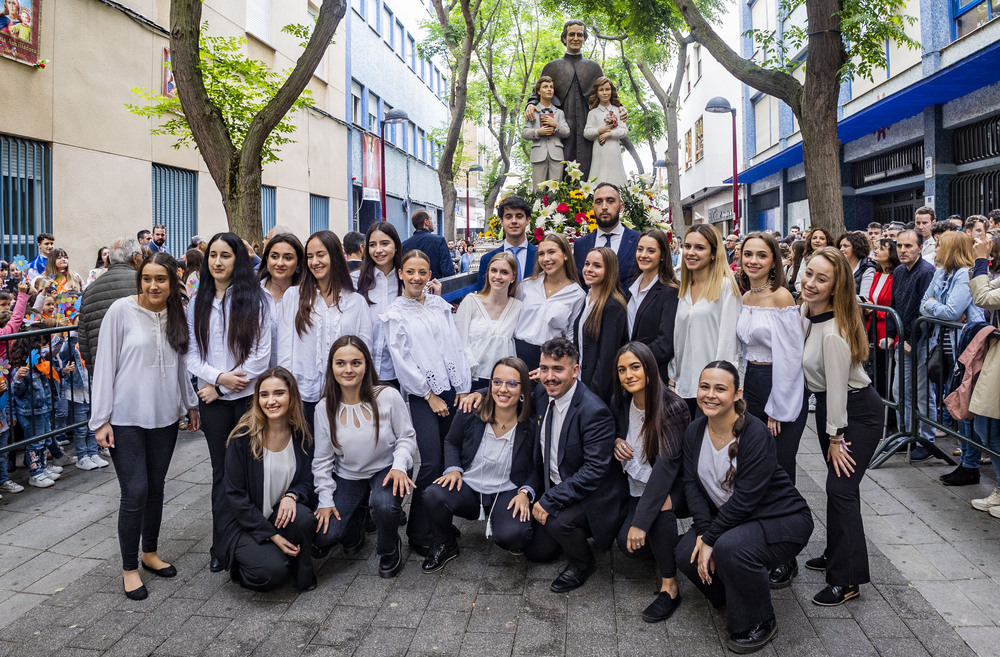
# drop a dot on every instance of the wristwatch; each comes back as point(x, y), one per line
point(218, 391)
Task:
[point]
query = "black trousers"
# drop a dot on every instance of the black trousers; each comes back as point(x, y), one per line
point(263, 566)
point(743, 558)
point(218, 419)
point(661, 540)
point(566, 534)
point(431, 430)
point(141, 458)
point(757, 385)
point(531, 354)
point(846, 550)
point(509, 533)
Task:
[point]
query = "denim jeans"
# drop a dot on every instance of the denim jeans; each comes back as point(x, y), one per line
point(4, 441)
point(988, 432)
point(902, 386)
point(384, 506)
point(83, 438)
point(970, 454)
point(35, 425)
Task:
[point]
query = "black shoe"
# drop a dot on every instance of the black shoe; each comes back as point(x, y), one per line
point(782, 576)
point(832, 595)
point(136, 594)
point(755, 638)
point(420, 550)
point(661, 608)
point(311, 586)
point(919, 453)
point(439, 556)
point(573, 578)
point(818, 563)
point(321, 552)
point(390, 565)
point(169, 571)
point(961, 476)
point(357, 546)
point(215, 565)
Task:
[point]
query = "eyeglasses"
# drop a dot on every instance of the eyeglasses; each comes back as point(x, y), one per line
point(497, 383)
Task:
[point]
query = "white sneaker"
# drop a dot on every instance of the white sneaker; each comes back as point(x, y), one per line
point(86, 463)
point(97, 460)
point(987, 503)
point(53, 467)
point(104, 451)
point(41, 481)
point(65, 459)
point(11, 487)
point(52, 474)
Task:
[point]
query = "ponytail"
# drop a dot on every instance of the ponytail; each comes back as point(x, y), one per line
point(734, 447)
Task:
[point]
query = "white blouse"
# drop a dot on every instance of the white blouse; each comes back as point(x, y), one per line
point(426, 348)
point(278, 311)
point(636, 468)
point(712, 468)
point(361, 455)
point(489, 472)
point(704, 331)
point(139, 380)
point(279, 472)
point(764, 331)
point(306, 355)
point(588, 308)
point(543, 318)
point(382, 295)
point(486, 340)
point(636, 297)
point(219, 357)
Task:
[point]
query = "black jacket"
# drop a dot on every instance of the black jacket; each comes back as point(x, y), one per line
point(762, 491)
point(436, 248)
point(244, 482)
point(117, 282)
point(586, 444)
point(598, 366)
point(465, 436)
point(626, 254)
point(654, 323)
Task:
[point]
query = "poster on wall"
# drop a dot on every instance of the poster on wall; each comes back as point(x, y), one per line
point(169, 85)
point(371, 167)
point(19, 31)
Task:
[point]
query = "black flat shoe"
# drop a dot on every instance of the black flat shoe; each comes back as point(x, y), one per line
point(421, 550)
point(661, 608)
point(169, 571)
point(136, 594)
point(320, 552)
point(215, 565)
point(753, 639)
point(782, 576)
point(572, 578)
point(357, 546)
point(961, 476)
point(832, 595)
point(390, 565)
point(817, 563)
point(439, 556)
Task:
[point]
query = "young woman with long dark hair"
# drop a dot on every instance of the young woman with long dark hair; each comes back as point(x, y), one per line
point(140, 389)
point(378, 282)
point(229, 326)
point(486, 320)
point(602, 327)
point(269, 525)
point(651, 421)
point(364, 446)
point(652, 297)
point(282, 264)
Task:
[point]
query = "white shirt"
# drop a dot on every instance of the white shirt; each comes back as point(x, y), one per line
point(928, 250)
point(382, 295)
point(826, 364)
point(139, 380)
point(522, 258)
point(218, 357)
point(636, 468)
point(486, 340)
point(774, 335)
point(306, 355)
point(616, 234)
point(489, 471)
point(426, 349)
point(866, 280)
point(279, 471)
point(279, 315)
point(559, 411)
point(587, 309)
point(543, 318)
point(637, 295)
point(704, 331)
point(712, 468)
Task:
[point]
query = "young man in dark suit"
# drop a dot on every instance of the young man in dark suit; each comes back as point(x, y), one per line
point(610, 233)
point(436, 247)
point(577, 491)
point(514, 213)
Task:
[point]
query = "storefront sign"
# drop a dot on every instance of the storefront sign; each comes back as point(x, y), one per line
point(720, 213)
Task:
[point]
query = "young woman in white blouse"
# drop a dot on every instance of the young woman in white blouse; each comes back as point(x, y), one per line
point(364, 446)
point(230, 334)
point(281, 268)
point(321, 309)
point(269, 526)
point(708, 308)
point(551, 299)
point(433, 372)
point(486, 320)
point(849, 416)
point(378, 282)
point(140, 389)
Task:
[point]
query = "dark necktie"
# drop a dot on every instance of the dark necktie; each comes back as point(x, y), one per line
point(607, 240)
point(550, 416)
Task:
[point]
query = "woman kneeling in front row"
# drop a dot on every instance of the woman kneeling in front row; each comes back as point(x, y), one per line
point(748, 517)
point(267, 526)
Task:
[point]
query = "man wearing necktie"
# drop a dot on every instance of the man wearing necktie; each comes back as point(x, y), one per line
point(514, 213)
point(580, 494)
point(610, 233)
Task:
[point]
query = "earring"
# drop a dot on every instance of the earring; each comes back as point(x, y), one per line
point(521, 398)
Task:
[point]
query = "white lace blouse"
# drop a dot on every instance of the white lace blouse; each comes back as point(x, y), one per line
point(426, 349)
point(486, 340)
point(543, 318)
point(774, 335)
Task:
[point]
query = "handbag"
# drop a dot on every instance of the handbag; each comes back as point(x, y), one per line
point(936, 363)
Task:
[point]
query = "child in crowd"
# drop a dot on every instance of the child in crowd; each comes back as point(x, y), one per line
point(6, 485)
point(77, 397)
point(6, 300)
point(32, 398)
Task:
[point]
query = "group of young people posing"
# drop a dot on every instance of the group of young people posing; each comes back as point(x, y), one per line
point(556, 413)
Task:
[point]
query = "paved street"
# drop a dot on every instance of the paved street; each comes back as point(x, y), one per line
point(936, 586)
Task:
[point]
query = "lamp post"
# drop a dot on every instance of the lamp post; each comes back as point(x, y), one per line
point(720, 105)
point(658, 166)
point(392, 116)
point(474, 168)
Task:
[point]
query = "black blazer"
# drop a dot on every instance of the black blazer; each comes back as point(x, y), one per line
point(626, 254)
point(654, 323)
point(763, 491)
point(599, 367)
point(244, 482)
point(586, 444)
point(465, 436)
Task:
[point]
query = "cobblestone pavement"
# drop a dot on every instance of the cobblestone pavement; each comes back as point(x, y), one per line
point(934, 563)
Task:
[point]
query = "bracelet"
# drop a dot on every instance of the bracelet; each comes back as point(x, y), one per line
point(295, 498)
point(429, 394)
point(218, 390)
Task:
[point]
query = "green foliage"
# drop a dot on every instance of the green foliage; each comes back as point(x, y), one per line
point(238, 86)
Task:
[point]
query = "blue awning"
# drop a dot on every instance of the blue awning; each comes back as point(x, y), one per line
point(976, 71)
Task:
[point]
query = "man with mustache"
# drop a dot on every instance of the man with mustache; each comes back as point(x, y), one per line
point(610, 233)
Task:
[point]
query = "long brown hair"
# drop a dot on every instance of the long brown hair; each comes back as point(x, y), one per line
point(665, 271)
point(740, 406)
point(809, 239)
point(511, 261)
point(487, 408)
point(366, 275)
point(776, 277)
point(718, 272)
point(369, 384)
point(340, 280)
point(659, 440)
point(846, 311)
point(253, 424)
point(593, 101)
point(569, 266)
point(609, 289)
point(954, 251)
point(177, 328)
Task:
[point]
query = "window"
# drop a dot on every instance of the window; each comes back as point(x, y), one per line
point(258, 20)
point(400, 40)
point(356, 116)
point(373, 14)
point(358, 6)
point(699, 138)
point(423, 69)
point(765, 111)
point(313, 17)
point(390, 128)
point(25, 195)
point(268, 207)
point(421, 145)
point(762, 17)
point(445, 89)
point(387, 23)
point(436, 82)
point(697, 59)
point(175, 204)
point(413, 54)
point(319, 213)
point(687, 150)
point(973, 14)
point(372, 112)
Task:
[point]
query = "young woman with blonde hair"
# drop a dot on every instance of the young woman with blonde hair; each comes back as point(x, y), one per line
point(486, 320)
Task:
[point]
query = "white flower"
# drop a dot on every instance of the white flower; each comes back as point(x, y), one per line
point(646, 178)
point(635, 189)
point(536, 207)
point(559, 217)
point(572, 165)
point(574, 174)
point(655, 215)
point(549, 210)
point(628, 224)
point(588, 187)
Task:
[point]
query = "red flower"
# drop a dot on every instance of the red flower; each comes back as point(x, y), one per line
point(545, 199)
point(539, 234)
point(562, 207)
point(579, 219)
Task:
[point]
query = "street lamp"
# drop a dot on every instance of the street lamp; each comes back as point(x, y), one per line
point(392, 116)
point(474, 168)
point(658, 166)
point(720, 105)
